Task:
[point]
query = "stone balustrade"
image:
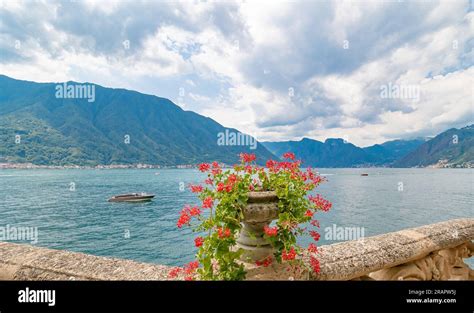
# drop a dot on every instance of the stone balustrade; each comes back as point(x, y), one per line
point(431, 252)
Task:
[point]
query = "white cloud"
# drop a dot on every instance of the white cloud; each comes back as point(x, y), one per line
point(243, 57)
point(198, 97)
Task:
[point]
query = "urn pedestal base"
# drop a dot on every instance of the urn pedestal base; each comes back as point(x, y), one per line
point(261, 209)
point(251, 240)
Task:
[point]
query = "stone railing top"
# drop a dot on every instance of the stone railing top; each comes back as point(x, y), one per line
point(351, 259)
point(25, 262)
point(341, 261)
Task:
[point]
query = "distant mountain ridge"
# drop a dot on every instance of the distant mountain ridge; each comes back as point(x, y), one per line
point(390, 151)
point(119, 127)
point(335, 152)
point(452, 148)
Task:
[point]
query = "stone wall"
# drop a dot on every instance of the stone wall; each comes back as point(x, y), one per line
point(431, 252)
point(25, 262)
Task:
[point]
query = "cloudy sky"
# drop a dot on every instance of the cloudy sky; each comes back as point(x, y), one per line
point(276, 70)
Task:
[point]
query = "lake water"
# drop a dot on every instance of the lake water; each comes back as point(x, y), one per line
point(71, 211)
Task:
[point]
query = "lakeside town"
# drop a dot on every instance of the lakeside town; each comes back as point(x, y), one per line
point(112, 166)
point(439, 165)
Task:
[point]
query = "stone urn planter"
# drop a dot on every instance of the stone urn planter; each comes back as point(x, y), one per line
point(261, 209)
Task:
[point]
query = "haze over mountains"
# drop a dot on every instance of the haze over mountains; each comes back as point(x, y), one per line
point(118, 126)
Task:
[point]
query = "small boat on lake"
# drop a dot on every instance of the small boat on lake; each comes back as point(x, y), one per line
point(364, 174)
point(132, 197)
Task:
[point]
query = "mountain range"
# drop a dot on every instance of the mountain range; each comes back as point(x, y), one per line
point(452, 148)
point(336, 152)
point(118, 126)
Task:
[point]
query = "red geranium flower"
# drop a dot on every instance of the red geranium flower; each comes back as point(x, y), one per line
point(284, 165)
point(270, 231)
point(191, 267)
point(207, 203)
point(314, 264)
point(289, 155)
point(309, 213)
point(216, 171)
point(184, 219)
point(247, 157)
point(265, 262)
point(312, 248)
point(232, 178)
point(314, 223)
point(317, 180)
point(198, 241)
point(194, 211)
point(320, 202)
point(271, 164)
point(288, 256)
point(315, 235)
point(174, 272)
point(196, 188)
point(204, 167)
point(209, 181)
point(223, 233)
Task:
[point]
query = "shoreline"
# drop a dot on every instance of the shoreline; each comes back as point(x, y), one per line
point(30, 166)
point(112, 166)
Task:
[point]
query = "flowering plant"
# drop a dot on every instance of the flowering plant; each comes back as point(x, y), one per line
point(220, 216)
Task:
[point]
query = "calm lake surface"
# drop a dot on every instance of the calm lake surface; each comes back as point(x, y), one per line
point(82, 220)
